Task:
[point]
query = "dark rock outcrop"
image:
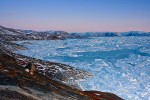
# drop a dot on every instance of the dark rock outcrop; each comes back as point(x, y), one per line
point(9, 94)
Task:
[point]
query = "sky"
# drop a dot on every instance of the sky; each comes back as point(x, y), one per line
point(76, 15)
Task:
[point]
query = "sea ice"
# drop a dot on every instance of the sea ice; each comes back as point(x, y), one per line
point(120, 65)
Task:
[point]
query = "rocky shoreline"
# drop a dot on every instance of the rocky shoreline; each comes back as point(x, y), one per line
point(54, 81)
point(60, 72)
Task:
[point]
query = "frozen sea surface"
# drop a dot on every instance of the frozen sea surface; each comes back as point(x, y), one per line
point(120, 65)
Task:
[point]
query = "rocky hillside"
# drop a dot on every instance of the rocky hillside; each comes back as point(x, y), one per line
point(10, 34)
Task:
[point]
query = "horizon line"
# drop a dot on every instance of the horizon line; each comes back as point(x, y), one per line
point(75, 31)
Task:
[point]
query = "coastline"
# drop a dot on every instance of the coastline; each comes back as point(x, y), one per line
point(46, 84)
point(60, 72)
point(13, 78)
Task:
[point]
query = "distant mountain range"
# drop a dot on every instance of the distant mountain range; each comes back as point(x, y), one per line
point(17, 34)
point(108, 34)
